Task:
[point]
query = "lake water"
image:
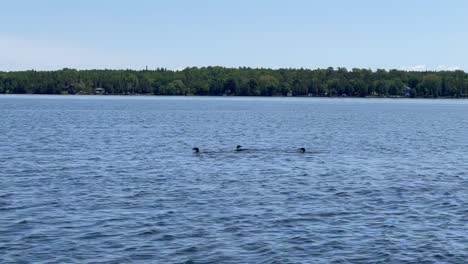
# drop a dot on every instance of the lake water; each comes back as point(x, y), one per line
point(114, 180)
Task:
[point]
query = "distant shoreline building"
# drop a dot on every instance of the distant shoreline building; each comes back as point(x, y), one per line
point(406, 92)
point(99, 91)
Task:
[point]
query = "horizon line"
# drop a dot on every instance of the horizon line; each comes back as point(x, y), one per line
point(421, 69)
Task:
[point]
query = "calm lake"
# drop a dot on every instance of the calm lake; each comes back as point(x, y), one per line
point(114, 180)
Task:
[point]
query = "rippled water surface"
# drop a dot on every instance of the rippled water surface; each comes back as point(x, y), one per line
point(113, 179)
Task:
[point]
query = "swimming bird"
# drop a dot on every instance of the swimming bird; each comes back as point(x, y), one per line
point(196, 150)
point(239, 148)
point(302, 150)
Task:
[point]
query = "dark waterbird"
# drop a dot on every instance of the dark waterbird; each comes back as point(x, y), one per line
point(239, 148)
point(196, 150)
point(302, 150)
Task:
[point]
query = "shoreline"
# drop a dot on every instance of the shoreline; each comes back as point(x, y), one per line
point(236, 96)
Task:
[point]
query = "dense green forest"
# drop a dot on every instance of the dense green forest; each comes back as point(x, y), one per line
point(240, 81)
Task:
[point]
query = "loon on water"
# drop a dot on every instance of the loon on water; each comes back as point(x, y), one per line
point(239, 148)
point(196, 150)
point(302, 150)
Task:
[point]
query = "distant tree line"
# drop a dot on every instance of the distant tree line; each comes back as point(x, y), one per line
point(241, 81)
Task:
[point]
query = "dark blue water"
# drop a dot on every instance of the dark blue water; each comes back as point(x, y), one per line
point(113, 179)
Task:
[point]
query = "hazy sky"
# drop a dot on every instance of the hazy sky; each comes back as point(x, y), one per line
point(403, 34)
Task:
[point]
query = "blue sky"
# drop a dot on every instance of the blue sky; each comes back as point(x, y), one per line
point(411, 34)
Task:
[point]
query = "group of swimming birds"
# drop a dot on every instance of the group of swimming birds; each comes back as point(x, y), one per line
point(239, 148)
